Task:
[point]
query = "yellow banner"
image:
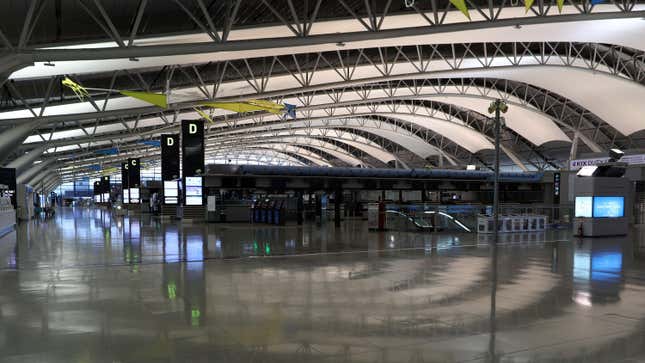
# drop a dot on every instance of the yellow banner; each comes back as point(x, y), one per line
point(461, 6)
point(158, 99)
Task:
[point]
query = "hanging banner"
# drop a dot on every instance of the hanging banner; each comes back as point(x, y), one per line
point(125, 183)
point(169, 157)
point(192, 147)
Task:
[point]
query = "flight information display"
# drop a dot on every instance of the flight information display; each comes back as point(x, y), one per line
point(608, 207)
point(170, 192)
point(134, 195)
point(194, 191)
point(584, 207)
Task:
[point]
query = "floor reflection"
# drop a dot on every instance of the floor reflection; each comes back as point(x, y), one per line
point(88, 286)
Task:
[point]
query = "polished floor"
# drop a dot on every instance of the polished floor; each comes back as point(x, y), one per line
point(87, 286)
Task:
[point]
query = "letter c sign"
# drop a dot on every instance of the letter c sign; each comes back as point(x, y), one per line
point(134, 163)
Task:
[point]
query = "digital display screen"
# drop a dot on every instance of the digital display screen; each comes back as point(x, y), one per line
point(194, 200)
point(193, 181)
point(608, 207)
point(193, 191)
point(170, 189)
point(134, 195)
point(583, 207)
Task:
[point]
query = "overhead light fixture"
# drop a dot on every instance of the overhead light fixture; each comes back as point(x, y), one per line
point(340, 44)
point(615, 154)
point(471, 167)
point(588, 170)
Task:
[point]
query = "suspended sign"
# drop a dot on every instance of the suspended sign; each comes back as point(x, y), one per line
point(577, 164)
point(125, 182)
point(192, 146)
point(169, 157)
point(134, 179)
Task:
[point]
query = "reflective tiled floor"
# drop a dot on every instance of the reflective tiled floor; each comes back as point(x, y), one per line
point(91, 287)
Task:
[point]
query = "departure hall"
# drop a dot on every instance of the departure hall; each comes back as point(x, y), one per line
point(322, 181)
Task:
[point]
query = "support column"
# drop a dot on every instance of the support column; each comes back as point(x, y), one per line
point(299, 208)
point(338, 199)
point(26, 160)
point(574, 147)
point(28, 174)
point(11, 138)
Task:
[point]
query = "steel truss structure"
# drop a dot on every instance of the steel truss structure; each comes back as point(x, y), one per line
point(352, 101)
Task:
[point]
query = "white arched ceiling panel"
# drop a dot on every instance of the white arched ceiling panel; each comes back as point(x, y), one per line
point(303, 153)
point(265, 156)
point(463, 136)
point(280, 83)
point(321, 145)
point(331, 149)
point(532, 125)
point(627, 32)
point(393, 133)
point(348, 138)
point(617, 101)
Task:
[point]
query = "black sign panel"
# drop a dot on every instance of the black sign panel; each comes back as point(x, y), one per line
point(8, 179)
point(169, 157)
point(134, 173)
point(105, 184)
point(556, 188)
point(192, 145)
point(97, 187)
point(125, 182)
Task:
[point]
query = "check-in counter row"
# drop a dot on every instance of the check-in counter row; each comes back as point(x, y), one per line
point(512, 223)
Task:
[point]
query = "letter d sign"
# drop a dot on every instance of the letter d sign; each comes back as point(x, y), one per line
point(170, 141)
point(192, 128)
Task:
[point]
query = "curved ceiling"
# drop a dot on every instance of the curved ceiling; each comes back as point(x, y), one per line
point(353, 82)
point(627, 32)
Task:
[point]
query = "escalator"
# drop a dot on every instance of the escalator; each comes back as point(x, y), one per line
point(428, 221)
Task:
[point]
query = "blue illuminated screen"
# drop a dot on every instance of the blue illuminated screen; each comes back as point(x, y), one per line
point(608, 207)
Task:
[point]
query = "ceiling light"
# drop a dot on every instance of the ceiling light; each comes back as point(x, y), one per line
point(615, 154)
